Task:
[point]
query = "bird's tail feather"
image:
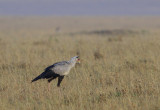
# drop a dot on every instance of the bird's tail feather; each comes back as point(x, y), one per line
point(37, 78)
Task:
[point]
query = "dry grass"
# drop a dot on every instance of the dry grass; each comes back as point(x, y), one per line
point(125, 77)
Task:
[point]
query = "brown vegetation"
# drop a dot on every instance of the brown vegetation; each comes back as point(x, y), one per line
point(125, 77)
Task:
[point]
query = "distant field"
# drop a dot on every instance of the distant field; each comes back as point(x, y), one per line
point(120, 67)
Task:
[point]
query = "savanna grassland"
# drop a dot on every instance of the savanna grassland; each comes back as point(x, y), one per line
point(119, 70)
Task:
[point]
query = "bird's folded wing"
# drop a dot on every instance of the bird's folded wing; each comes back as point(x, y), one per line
point(60, 68)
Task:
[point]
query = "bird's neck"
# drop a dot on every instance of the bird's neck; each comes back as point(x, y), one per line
point(72, 63)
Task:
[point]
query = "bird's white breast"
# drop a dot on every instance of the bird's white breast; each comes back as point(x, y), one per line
point(66, 73)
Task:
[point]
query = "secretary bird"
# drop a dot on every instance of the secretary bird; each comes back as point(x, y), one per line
point(58, 70)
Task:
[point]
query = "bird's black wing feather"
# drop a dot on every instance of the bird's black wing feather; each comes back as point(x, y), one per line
point(48, 72)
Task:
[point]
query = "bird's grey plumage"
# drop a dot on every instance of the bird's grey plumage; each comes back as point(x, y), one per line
point(59, 69)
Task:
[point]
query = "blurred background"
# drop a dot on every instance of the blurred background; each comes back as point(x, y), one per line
point(79, 7)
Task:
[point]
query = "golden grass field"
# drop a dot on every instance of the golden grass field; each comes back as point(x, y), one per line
point(119, 70)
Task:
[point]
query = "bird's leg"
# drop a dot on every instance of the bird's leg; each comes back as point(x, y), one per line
point(54, 77)
point(60, 78)
point(49, 87)
point(51, 79)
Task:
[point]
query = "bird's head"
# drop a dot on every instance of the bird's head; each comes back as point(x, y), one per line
point(75, 59)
